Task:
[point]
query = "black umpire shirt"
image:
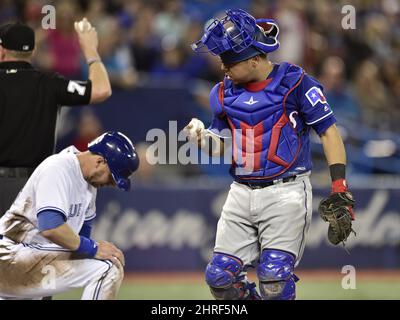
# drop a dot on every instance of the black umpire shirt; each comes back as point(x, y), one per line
point(29, 103)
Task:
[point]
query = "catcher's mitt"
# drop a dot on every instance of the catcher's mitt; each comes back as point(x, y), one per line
point(336, 209)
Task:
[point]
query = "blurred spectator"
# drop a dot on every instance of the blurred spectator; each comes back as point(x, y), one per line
point(377, 36)
point(8, 11)
point(293, 30)
point(59, 49)
point(172, 61)
point(338, 94)
point(151, 172)
point(172, 21)
point(146, 172)
point(33, 12)
point(89, 127)
point(96, 12)
point(196, 65)
point(144, 43)
point(373, 96)
point(360, 68)
point(116, 54)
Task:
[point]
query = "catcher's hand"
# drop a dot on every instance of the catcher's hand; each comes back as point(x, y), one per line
point(337, 209)
point(195, 132)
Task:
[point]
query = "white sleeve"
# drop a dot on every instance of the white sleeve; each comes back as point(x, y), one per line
point(52, 191)
point(91, 211)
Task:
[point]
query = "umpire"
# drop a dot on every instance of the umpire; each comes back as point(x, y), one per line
point(30, 100)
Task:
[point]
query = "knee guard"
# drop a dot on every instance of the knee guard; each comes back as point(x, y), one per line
point(224, 279)
point(275, 273)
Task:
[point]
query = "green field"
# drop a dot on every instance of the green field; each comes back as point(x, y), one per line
point(310, 288)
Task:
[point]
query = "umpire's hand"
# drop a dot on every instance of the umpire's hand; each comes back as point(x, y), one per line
point(88, 39)
point(108, 251)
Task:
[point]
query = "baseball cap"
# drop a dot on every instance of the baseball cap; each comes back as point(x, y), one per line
point(17, 36)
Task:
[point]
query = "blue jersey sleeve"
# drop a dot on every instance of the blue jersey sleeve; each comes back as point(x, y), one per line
point(219, 124)
point(313, 105)
point(50, 219)
point(86, 229)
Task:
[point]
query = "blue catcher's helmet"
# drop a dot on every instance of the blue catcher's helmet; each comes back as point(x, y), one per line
point(120, 154)
point(237, 37)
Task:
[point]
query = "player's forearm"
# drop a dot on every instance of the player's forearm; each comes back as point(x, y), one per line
point(101, 87)
point(333, 146)
point(64, 236)
point(213, 145)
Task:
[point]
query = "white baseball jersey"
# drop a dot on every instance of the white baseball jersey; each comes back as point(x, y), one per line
point(57, 184)
point(27, 257)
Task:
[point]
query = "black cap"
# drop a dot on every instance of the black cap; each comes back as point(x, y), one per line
point(17, 36)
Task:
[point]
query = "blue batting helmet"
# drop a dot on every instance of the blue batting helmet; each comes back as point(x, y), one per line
point(120, 154)
point(237, 37)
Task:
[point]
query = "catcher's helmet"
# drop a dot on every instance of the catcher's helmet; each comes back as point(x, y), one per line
point(237, 37)
point(120, 154)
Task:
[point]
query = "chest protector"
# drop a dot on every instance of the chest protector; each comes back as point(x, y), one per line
point(265, 143)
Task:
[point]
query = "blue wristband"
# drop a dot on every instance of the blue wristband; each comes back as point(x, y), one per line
point(87, 247)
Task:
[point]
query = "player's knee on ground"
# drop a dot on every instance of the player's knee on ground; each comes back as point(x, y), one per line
point(275, 272)
point(223, 277)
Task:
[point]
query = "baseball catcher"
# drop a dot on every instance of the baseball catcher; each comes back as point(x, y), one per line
point(265, 112)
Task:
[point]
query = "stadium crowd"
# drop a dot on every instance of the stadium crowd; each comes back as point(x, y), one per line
point(144, 41)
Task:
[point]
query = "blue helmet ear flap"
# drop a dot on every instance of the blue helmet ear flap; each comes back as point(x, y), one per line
point(273, 30)
point(267, 41)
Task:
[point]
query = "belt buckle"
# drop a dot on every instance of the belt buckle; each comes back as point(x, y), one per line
point(252, 186)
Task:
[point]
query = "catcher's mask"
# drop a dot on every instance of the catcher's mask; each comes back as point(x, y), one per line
point(237, 37)
point(120, 155)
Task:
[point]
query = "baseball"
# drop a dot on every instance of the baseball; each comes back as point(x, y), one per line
point(84, 25)
point(194, 131)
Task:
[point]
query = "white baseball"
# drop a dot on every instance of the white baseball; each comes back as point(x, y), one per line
point(196, 124)
point(84, 25)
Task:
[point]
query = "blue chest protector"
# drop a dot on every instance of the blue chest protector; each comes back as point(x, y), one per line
point(266, 138)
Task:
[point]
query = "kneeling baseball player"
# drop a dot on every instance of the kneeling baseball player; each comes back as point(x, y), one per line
point(265, 111)
point(46, 231)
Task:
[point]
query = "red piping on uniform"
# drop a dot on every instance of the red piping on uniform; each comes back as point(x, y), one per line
point(298, 148)
point(221, 95)
point(234, 150)
point(274, 156)
point(258, 131)
point(273, 145)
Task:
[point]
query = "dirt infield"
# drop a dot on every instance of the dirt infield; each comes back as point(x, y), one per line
point(308, 275)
